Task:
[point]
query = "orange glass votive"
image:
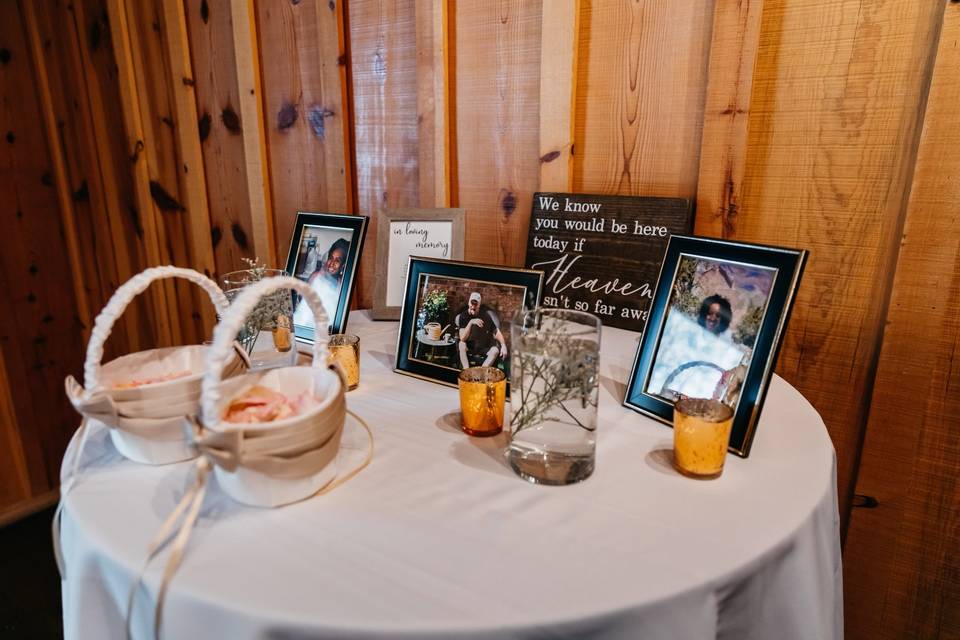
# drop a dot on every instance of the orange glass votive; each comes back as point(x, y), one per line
point(483, 391)
point(345, 351)
point(701, 434)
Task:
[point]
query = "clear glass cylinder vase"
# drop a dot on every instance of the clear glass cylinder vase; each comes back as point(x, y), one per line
point(554, 390)
point(266, 334)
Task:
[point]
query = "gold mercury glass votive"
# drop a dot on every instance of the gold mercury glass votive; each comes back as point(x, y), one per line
point(483, 391)
point(345, 351)
point(701, 433)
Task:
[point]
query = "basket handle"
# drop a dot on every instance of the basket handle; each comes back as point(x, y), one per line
point(119, 301)
point(232, 321)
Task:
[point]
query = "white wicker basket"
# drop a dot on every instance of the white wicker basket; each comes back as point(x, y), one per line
point(149, 423)
point(273, 463)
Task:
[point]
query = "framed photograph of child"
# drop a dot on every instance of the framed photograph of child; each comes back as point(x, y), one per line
point(716, 323)
point(325, 253)
point(457, 315)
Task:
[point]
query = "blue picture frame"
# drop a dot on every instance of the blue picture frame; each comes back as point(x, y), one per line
point(462, 277)
point(320, 227)
point(779, 268)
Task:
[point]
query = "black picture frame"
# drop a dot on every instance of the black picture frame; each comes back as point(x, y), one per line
point(413, 357)
point(703, 255)
point(317, 226)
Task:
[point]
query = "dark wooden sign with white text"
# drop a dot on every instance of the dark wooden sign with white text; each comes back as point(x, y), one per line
point(602, 254)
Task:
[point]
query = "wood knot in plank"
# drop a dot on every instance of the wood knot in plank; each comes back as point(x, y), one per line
point(315, 116)
point(95, 35)
point(231, 120)
point(4, 55)
point(204, 12)
point(34, 269)
point(239, 235)
point(380, 66)
point(287, 116)
point(332, 5)
point(216, 235)
point(10, 137)
point(188, 82)
point(162, 197)
point(135, 220)
point(203, 126)
point(729, 207)
point(733, 111)
point(46, 179)
point(549, 157)
point(82, 194)
point(167, 120)
point(137, 148)
point(508, 201)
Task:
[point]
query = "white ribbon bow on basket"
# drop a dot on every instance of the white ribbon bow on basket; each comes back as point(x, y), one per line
point(264, 464)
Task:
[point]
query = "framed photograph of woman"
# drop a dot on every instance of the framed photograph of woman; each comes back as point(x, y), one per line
point(325, 253)
point(715, 327)
point(457, 315)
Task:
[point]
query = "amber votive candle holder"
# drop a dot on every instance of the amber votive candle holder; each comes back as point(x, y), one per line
point(701, 434)
point(483, 391)
point(345, 351)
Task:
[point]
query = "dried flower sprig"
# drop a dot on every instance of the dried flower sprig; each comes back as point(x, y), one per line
point(269, 308)
point(551, 369)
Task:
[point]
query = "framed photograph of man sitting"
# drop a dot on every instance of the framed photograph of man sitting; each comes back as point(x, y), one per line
point(457, 315)
point(716, 324)
point(325, 253)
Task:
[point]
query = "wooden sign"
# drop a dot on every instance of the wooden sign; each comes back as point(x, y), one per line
point(602, 254)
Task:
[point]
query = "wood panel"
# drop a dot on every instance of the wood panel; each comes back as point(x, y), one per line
point(303, 55)
point(189, 167)
point(641, 87)
point(558, 91)
point(112, 177)
point(80, 267)
point(433, 98)
point(900, 568)
point(384, 71)
point(726, 117)
point(40, 333)
point(230, 128)
point(170, 147)
point(141, 207)
point(72, 138)
point(15, 485)
point(832, 135)
point(496, 60)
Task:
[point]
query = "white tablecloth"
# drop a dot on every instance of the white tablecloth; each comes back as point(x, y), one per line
point(438, 537)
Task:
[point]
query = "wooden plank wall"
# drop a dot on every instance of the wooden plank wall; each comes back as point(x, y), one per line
point(833, 125)
point(40, 335)
point(192, 131)
point(496, 64)
point(384, 71)
point(641, 83)
point(304, 66)
point(901, 557)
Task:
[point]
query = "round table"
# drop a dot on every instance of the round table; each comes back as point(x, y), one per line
point(424, 339)
point(438, 538)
